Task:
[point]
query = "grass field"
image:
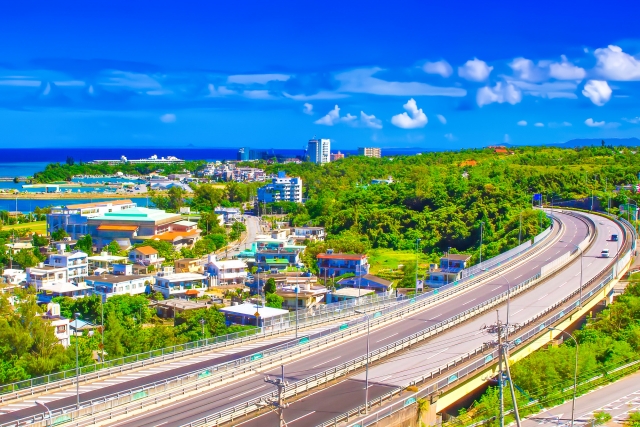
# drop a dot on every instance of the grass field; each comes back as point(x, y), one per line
point(39, 227)
point(382, 259)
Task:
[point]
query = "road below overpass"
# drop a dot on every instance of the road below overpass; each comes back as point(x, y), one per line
point(618, 399)
point(347, 394)
point(436, 352)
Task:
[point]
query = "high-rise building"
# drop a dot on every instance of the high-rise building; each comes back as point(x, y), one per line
point(370, 152)
point(243, 154)
point(319, 151)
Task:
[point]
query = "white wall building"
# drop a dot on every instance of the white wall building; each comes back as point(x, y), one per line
point(108, 285)
point(281, 189)
point(319, 151)
point(59, 324)
point(181, 284)
point(45, 275)
point(76, 263)
point(229, 272)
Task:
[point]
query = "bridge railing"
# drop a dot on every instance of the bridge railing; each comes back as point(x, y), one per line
point(273, 327)
point(121, 403)
point(455, 375)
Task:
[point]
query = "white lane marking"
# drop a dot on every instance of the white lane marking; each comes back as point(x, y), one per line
point(326, 361)
point(517, 311)
point(247, 392)
point(471, 300)
point(542, 296)
point(440, 352)
point(392, 335)
point(299, 418)
point(518, 276)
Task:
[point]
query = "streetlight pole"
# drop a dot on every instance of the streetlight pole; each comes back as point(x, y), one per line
point(581, 264)
point(202, 322)
point(575, 373)
point(366, 375)
point(48, 410)
point(520, 233)
point(417, 256)
point(76, 316)
point(297, 289)
point(481, 236)
point(102, 328)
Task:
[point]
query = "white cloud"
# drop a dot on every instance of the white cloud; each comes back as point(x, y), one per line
point(258, 94)
point(475, 70)
point(634, 120)
point(439, 67)
point(614, 64)
point(415, 119)
point(220, 91)
point(499, 93)
point(507, 138)
point(450, 137)
point(565, 70)
point(539, 125)
point(442, 119)
point(333, 117)
point(598, 91)
point(168, 118)
point(548, 90)
point(307, 108)
point(246, 79)
point(70, 83)
point(131, 80)
point(522, 123)
point(525, 69)
point(20, 82)
point(370, 121)
point(589, 122)
point(315, 96)
point(47, 89)
point(362, 81)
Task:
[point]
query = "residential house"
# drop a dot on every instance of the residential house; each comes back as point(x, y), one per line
point(145, 256)
point(76, 263)
point(449, 270)
point(104, 262)
point(347, 294)
point(108, 285)
point(168, 309)
point(59, 324)
point(333, 265)
point(302, 296)
point(308, 233)
point(45, 275)
point(49, 291)
point(189, 265)
point(278, 260)
point(282, 280)
point(16, 247)
point(13, 276)
point(367, 281)
point(248, 314)
point(181, 285)
point(73, 218)
point(227, 272)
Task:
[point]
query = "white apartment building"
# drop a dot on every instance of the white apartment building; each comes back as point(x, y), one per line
point(76, 263)
point(229, 272)
point(45, 275)
point(319, 151)
point(59, 324)
point(281, 189)
point(108, 285)
point(370, 152)
point(181, 285)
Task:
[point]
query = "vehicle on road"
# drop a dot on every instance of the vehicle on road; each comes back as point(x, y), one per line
point(604, 253)
point(614, 237)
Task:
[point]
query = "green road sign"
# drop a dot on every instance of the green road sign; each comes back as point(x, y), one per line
point(256, 356)
point(303, 340)
point(344, 326)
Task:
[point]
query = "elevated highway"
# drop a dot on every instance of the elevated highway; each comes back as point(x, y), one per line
point(349, 393)
point(19, 413)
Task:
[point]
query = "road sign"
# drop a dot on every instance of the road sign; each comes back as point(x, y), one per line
point(344, 326)
point(303, 340)
point(256, 356)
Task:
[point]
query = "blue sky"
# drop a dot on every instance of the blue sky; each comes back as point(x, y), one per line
point(273, 74)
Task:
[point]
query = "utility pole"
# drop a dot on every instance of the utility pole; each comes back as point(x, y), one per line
point(520, 234)
point(500, 376)
point(278, 404)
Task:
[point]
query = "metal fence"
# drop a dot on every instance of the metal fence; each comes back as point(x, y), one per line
point(273, 327)
point(129, 400)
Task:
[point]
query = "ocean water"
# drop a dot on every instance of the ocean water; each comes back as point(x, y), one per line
point(28, 205)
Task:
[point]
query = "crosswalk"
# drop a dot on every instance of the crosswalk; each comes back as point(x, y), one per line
point(154, 369)
point(619, 409)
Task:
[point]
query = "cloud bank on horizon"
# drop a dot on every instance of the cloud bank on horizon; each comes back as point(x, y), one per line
point(474, 97)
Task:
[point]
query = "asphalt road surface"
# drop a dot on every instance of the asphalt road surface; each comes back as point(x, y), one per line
point(445, 346)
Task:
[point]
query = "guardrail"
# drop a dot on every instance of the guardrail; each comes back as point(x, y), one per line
point(58, 380)
point(125, 402)
point(487, 359)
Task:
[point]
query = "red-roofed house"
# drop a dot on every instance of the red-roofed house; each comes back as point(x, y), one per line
point(331, 264)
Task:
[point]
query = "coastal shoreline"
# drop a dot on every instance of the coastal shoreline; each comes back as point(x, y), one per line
point(62, 196)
